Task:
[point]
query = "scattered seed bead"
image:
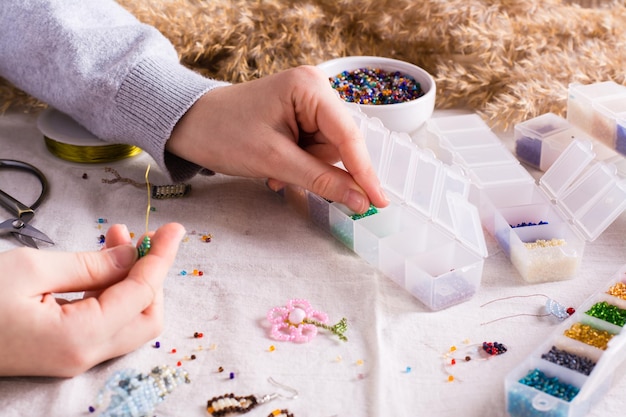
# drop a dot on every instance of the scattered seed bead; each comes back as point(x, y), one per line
point(618, 290)
point(220, 369)
point(132, 235)
point(157, 344)
point(198, 335)
point(572, 361)
point(453, 361)
point(450, 378)
point(102, 220)
point(589, 335)
point(85, 176)
point(468, 358)
point(231, 375)
point(608, 313)
point(272, 348)
point(407, 369)
point(179, 363)
point(552, 386)
point(92, 409)
point(376, 86)
point(173, 351)
point(359, 362)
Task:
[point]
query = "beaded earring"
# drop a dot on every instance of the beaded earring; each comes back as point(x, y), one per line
point(471, 352)
point(232, 404)
point(552, 308)
point(298, 322)
point(130, 393)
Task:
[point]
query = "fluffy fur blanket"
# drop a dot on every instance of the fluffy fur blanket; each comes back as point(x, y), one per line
point(509, 60)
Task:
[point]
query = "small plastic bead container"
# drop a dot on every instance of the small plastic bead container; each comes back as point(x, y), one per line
point(590, 352)
point(541, 226)
point(429, 240)
point(599, 109)
point(541, 140)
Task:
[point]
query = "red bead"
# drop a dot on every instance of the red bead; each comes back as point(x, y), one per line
point(453, 362)
point(173, 351)
point(570, 311)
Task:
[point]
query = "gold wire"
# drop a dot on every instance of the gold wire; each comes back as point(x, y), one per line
point(149, 206)
point(90, 154)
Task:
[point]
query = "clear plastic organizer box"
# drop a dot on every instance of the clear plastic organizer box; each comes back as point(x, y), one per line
point(570, 372)
point(600, 110)
point(543, 227)
point(429, 240)
point(541, 140)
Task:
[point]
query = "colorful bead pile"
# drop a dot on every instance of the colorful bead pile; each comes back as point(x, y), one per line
point(589, 335)
point(538, 380)
point(618, 290)
point(494, 348)
point(608, 313)
point(569, 360)
point(133, 394)
point(376, 86)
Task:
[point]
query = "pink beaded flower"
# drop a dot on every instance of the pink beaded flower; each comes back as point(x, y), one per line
point(298, 322)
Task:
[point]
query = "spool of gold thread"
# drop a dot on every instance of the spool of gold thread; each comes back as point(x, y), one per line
point(90, 154)
point(66, 139)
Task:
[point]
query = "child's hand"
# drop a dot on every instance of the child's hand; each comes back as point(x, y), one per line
point(290, 128)
point(41, 336)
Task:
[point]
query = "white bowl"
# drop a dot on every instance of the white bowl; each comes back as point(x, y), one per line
point(400, 117)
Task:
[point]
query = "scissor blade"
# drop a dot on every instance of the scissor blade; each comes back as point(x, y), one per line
point(26, 240)
point(29, 231)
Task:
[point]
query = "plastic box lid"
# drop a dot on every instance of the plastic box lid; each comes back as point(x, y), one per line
point(588, 192)
point(437, 191)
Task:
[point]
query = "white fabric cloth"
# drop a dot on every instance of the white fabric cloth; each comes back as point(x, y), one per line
point(263, 253)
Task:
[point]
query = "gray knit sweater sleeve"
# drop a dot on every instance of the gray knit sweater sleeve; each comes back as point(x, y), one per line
point(93, 60)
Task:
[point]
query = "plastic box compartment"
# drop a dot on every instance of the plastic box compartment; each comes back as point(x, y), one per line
point(541, 140)
point(577, 197)
point(581, 98)
point(597, 363)
point(599, 109)
point(429, 240)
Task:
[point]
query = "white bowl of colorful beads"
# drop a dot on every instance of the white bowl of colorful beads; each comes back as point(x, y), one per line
point(400, 94)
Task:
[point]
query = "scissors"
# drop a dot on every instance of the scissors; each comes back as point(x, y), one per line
point(18, 226)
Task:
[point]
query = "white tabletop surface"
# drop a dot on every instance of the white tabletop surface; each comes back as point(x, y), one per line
point(262, 254)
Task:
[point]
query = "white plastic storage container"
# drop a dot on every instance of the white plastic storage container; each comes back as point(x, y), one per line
point(571, 371)
point(429, 240)
point(542, 227)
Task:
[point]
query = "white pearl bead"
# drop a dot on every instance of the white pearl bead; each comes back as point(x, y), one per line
point(297, 316)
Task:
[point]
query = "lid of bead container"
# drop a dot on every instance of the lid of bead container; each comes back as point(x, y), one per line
point(542, 126)
point(399, 164)
point(467, 225)
point(444, 124)
point(587, 191)
point(590, 92)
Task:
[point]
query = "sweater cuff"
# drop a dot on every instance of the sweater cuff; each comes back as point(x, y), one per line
point(151, 100)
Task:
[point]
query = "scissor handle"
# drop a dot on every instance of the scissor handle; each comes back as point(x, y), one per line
point(12, 204)
point(22, 212)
